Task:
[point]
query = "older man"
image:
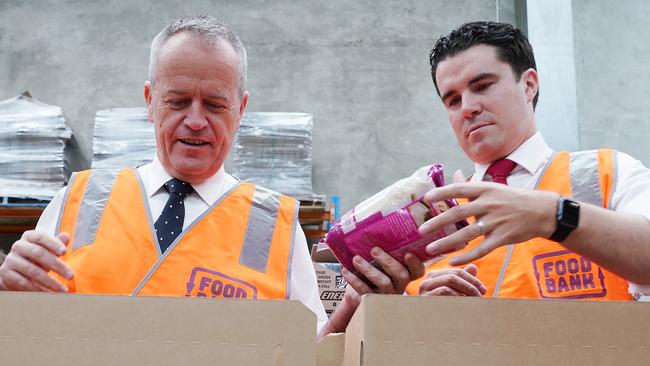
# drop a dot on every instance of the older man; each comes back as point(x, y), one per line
point(179, 226)
point(547, 224)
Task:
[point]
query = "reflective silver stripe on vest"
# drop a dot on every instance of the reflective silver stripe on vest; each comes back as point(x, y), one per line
point(614, 178)
point(259, 232)
point(585, 181)
point(293, 241)
point(92, 206)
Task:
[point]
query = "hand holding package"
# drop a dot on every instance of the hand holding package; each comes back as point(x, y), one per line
point(390, 220)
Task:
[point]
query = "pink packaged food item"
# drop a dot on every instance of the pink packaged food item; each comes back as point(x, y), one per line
point(390, 220)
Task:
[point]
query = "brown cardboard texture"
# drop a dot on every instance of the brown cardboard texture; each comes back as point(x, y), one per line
point(61, 329)
point(329, 350)
point(321, 253)
point(401, 330)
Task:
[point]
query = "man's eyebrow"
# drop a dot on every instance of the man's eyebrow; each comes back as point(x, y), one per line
point(479, 77)
point(447, 95)
point(217, 96)
point(181, 92)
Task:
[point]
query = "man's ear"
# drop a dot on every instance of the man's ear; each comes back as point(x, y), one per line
point(147, 98)
point(242, 107)
point(531, 83)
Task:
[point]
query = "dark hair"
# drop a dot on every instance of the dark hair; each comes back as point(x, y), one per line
point(511, 43)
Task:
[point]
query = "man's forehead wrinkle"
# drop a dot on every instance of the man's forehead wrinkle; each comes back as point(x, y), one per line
point(188, 84)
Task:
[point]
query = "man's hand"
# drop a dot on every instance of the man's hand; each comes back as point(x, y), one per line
point(29, 261)
point(453, 282)
point(393, 280)
point(503, 215)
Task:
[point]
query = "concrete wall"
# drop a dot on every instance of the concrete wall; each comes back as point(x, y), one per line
point(613, 77)
point(360, 66)
point(550, 31)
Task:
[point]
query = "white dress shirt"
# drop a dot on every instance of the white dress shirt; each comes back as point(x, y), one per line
point(303, 285)
point(631, 192)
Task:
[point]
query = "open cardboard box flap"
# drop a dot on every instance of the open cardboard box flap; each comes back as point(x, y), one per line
point(61, 329)
point(329, 350)
point(402, 330)
point(320, 252)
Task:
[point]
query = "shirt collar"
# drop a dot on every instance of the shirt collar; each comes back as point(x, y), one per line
point(529, 156)
point(154, 176)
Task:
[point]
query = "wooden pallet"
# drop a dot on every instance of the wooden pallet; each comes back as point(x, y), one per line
point(315, 216)
point(18, 215)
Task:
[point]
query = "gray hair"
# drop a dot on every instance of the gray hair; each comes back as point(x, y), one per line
point(210, 31)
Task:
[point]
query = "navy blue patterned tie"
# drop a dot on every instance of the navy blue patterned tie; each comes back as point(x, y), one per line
point(170, 223)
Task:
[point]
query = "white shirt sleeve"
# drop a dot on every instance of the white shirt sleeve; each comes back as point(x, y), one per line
point(303, 285)
point(632, 191)
point(50, 216)
point(631, 195)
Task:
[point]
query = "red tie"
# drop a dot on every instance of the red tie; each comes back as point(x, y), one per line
point(500, 170)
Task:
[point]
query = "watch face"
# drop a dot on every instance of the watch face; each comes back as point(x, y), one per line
point(570, 213)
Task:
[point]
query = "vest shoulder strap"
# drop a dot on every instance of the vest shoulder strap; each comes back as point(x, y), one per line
point(95, 196)
point(591, 175)
point(260, 228)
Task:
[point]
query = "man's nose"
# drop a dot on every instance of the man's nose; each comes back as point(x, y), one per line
point(471, 106)
point(196, 117)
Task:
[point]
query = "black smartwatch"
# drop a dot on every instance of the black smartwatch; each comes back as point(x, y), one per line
point(566, 218)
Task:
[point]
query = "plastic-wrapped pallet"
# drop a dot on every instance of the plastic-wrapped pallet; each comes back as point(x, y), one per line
point(33, 137)
point(123, 137)
point(274, 151)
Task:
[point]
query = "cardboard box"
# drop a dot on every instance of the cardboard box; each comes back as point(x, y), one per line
point(401, 330)
point(60, 329)
point(329, 350)
point(331, 284)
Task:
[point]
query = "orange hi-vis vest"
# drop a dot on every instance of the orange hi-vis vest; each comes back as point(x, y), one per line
point(544, 269)
point(241, 247)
